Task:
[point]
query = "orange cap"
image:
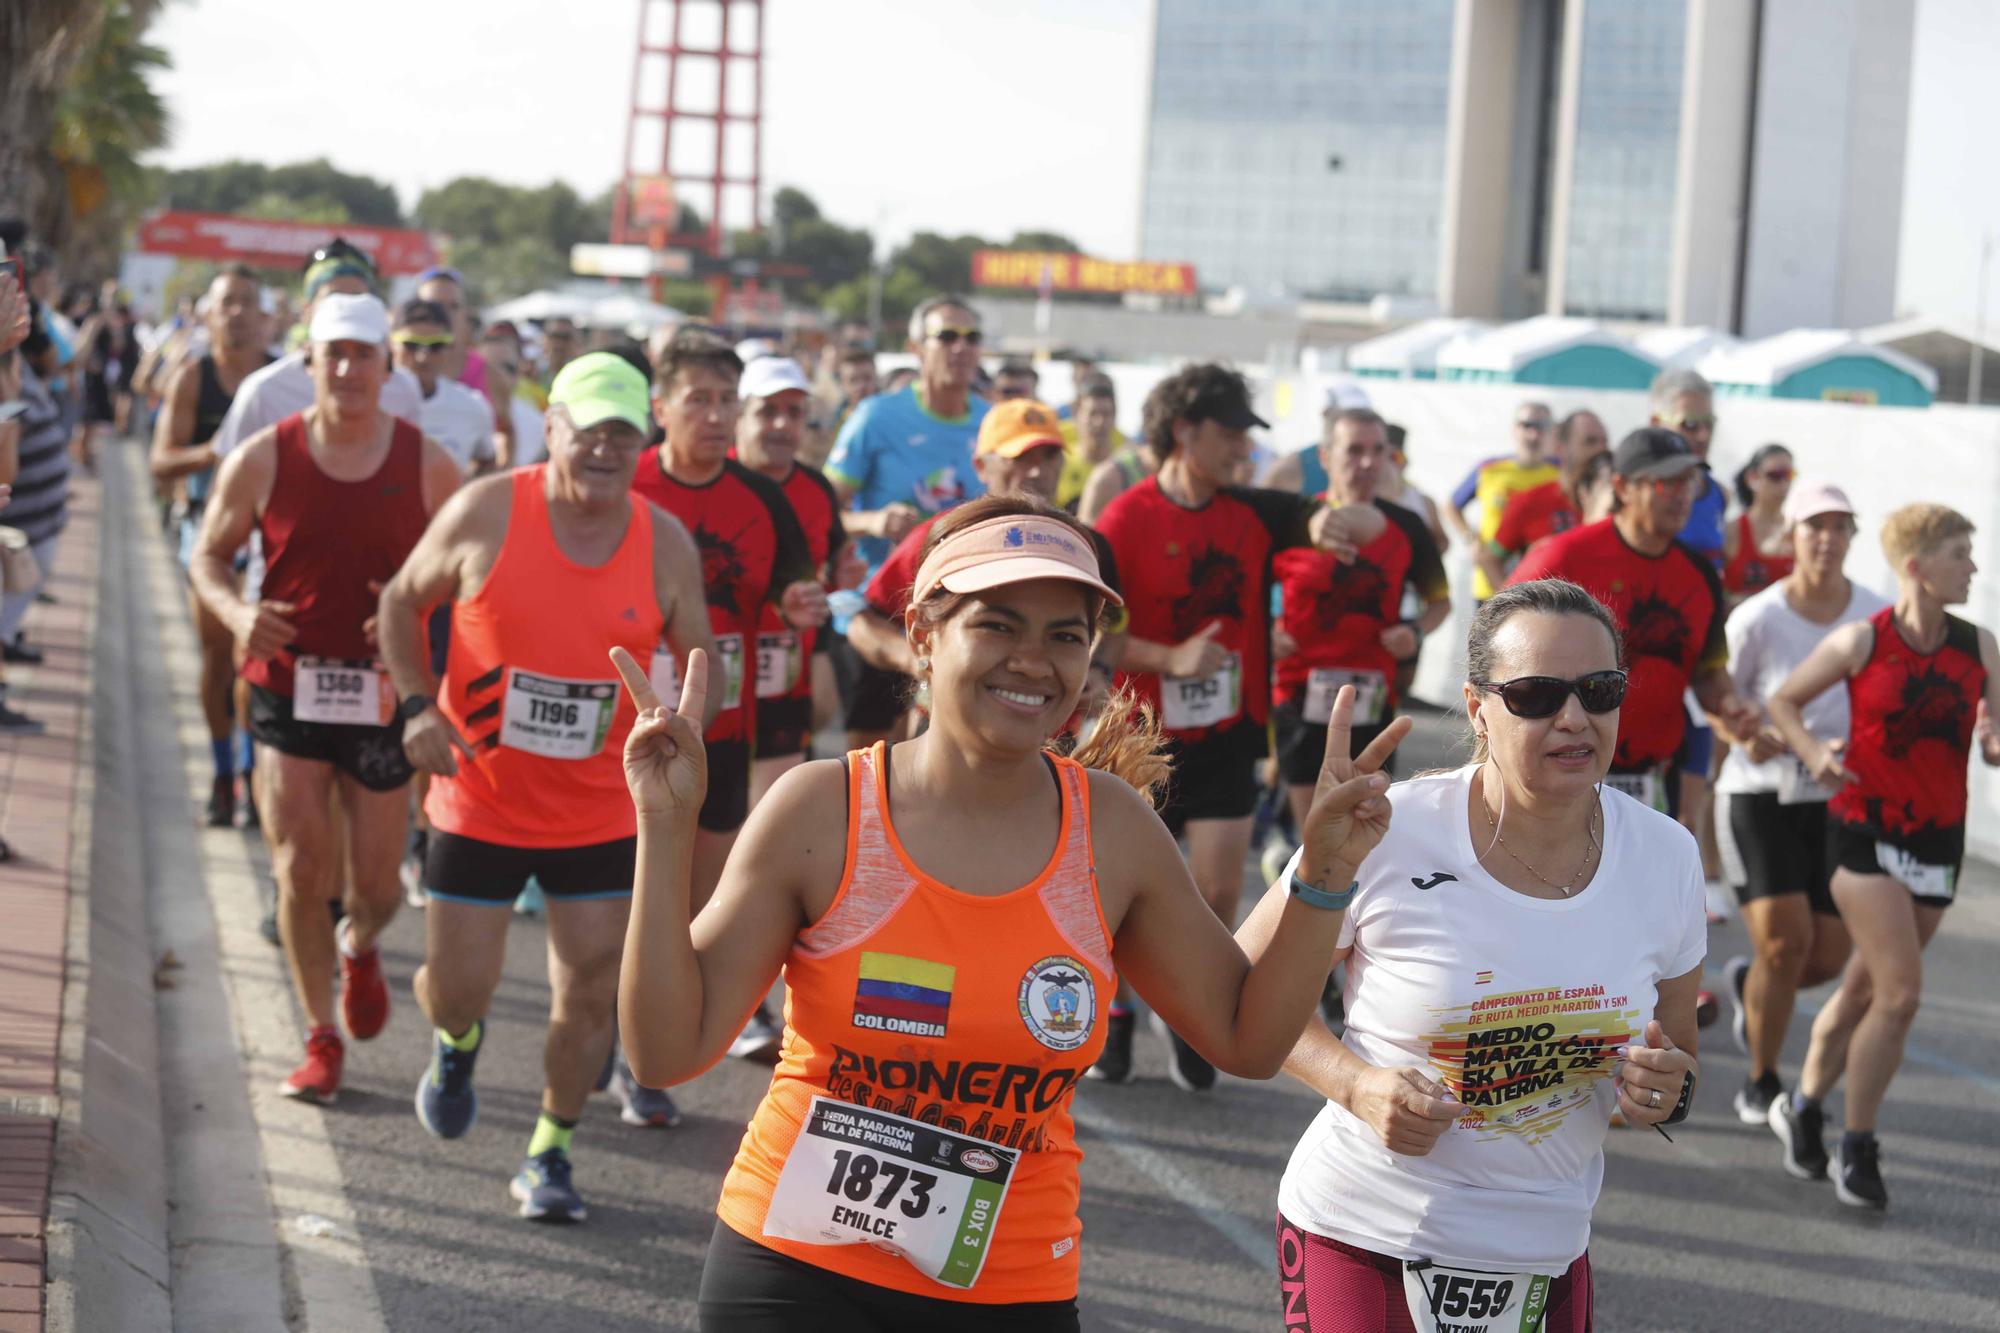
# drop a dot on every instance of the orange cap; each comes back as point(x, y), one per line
point(1016, 426)
point(1012, 548)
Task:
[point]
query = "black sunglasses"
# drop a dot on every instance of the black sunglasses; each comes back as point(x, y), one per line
point(1544, 696)
point(950, 337)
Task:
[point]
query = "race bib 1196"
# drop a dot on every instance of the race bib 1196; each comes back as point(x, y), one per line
point(556, 718)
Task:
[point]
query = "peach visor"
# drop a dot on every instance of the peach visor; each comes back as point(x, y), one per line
point(1013, 548)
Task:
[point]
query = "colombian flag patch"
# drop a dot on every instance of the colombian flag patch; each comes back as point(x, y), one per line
point(908, 996)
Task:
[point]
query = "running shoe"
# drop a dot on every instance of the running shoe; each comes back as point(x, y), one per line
point(529, 903)
point(760, 1039)
point(1720, 906)
point(364, 994)
point(544, 1191)
point(19, 723)
point(641, 1105)
point(1185, 1065)
point(1857, 1172)
point(221, 811)
point(1803, 1134)
point(1115, 1064)
point(1272, 863)
point(318, 1079)
point(1754, 1098)
point(18, 653)
point(1736, 972)
point(447, 1103)
point(411, 873)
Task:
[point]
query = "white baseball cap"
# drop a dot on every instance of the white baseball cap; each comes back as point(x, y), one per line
point(771, 374)
point(1343, 394)
point(340, 317)
point(1810, 499)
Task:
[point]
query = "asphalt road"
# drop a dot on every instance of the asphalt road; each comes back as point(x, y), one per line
point(379, 1225)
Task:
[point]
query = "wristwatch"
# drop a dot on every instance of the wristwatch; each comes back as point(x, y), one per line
point(410, 705)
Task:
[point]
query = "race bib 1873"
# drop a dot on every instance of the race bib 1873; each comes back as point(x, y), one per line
point(859, 1176)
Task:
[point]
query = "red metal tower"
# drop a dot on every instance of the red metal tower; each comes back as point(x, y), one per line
point(644, 211)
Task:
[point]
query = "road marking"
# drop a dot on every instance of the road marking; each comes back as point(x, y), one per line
point(1257, 1244)
point(325, 1262)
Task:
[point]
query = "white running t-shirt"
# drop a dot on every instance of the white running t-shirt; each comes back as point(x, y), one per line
point(461, 420)
point(1767, 642)
point(1517, 1004)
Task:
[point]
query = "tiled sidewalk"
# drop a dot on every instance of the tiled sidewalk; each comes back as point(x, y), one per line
point(39, 777)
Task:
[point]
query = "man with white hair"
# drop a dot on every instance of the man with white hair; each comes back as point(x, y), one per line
point(339, 494)
point(524, 738)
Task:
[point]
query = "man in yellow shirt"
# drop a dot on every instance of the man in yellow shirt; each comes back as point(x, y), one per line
point(1091, 436)
point(1492, 482)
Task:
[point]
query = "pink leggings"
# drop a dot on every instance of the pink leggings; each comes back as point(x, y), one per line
point(1325, 1286)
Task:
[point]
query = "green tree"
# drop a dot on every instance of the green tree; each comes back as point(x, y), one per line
point(942, 262)
point(230, 187)
point(1044, 241)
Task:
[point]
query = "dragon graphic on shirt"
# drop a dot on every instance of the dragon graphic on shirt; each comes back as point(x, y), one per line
point(1358, 589)
point(1655, 627)
point(722, 567)
point(1934, 708)
point(1214, 589)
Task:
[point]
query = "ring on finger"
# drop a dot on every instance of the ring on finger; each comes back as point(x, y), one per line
point(1653, 1098)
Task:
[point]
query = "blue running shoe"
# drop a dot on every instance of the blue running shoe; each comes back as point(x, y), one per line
point(544, 1190)
point(446, 1101)
point(639, 1104)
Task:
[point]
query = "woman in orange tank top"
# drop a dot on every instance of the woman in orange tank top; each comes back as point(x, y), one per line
point(950, 944)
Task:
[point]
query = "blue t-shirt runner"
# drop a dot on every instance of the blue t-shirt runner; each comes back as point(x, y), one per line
point(892, 449)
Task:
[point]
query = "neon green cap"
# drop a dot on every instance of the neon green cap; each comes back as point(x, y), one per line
point(601, 386)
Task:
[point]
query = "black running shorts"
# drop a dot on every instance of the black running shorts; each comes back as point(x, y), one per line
point(749, 1288)
point(458, 869)
point(372, 756)
point(784, 726)
point(1854, 850)
point(1302, 744)
point(728, 803)
point(1771, 849)
point(1215, 777)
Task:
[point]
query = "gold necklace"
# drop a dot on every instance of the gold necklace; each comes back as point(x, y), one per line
point(1589, 852)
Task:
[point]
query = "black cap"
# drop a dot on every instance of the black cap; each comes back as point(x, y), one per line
point(1653, 451)
point(1227, 403)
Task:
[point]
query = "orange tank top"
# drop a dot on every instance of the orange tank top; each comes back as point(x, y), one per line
point(530, 685)
point(917, 1134)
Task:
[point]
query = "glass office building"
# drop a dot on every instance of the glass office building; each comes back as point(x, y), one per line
point(1298, 146)
point(1623, 176)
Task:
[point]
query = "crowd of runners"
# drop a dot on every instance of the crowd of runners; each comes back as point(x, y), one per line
point(493, 622)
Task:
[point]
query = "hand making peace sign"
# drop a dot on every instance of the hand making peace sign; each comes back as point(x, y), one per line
point(1350, 805)
point(666, 766)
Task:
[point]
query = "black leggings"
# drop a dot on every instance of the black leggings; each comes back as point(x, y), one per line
point(747, 1288)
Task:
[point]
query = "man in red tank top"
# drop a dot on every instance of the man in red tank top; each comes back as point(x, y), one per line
point(522, 738)
point(753, 553)
point(339, 494)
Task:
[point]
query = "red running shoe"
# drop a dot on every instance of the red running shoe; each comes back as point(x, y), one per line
point(318, 1079)
point(364, 995)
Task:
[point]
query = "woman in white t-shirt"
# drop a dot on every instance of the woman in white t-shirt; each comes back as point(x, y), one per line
point(1772, 821)
point(1523, 951)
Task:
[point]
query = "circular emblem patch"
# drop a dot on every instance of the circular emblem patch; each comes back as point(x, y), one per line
point(1059, 1002)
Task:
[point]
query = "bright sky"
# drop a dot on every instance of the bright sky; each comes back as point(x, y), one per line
point(897, 115)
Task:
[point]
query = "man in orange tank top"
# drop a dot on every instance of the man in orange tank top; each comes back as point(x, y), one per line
point(339, 494)
point(522, 739)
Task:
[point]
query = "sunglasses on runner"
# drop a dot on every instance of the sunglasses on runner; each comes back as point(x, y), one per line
point(951, 337)
point(423, 341)
point(1544, 696)
point(1777, 474)
point(1690, 423)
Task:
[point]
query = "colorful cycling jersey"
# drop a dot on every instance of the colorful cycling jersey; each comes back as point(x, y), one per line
point(1751, 570)
point(1336, 614)
point(752, 549)
point(1538, 512)
point(1668, 607)
point(1491, 483)
point(933, 1041)
point(1186, 569)
point(892, 449)
point(782, 652)
point(1910, 733)
point(544, 712)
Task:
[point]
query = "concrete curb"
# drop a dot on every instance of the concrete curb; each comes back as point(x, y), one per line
point(108, 1264)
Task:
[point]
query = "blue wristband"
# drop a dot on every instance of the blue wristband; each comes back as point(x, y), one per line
point(1312, 895)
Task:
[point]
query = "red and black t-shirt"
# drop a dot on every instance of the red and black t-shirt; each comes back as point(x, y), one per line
point(1910, 720)
point(1668, 607)
point(1750, 570)
point(1538, 512)
point(1336, 612)
point(752, 549)
point(783, 652)
point(1185, 569)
